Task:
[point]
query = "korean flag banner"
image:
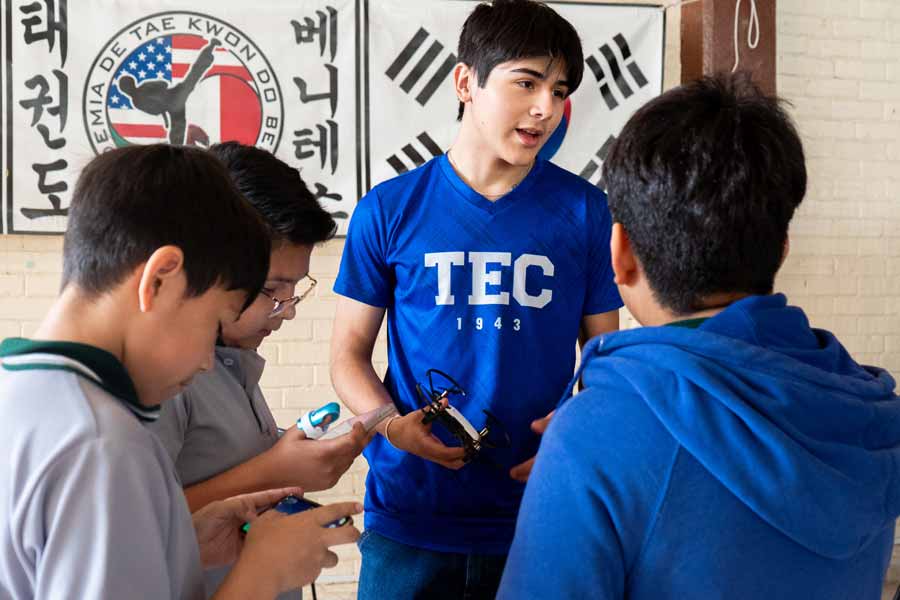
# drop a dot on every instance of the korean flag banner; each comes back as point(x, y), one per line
point(351, 92)
point(413, 107)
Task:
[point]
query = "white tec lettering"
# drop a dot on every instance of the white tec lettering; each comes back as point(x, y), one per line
point(488, 269)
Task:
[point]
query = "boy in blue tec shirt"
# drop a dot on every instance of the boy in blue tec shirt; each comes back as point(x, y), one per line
point(726, 450)
point(489, 262)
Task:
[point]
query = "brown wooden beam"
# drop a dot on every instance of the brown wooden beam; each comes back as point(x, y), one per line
point(691, 41)
point(707, 40)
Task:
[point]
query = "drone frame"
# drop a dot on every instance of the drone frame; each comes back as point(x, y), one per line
point(472, 440)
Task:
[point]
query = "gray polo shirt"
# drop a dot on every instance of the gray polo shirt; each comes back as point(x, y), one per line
point(220, 421)
point(90, 503)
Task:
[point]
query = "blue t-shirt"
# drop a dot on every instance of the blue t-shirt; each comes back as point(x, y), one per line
point(493, 294)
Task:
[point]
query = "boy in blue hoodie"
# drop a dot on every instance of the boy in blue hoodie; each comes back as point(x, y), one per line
point(726, 449)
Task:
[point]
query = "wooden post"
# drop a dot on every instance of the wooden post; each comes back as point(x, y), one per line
point(707, 40)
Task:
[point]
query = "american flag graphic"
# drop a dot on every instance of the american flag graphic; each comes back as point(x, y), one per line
point(224, 105)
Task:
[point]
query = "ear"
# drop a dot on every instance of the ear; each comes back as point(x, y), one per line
point(786, 251)
point(624, 262)
point(161, 269)
point(463, 81)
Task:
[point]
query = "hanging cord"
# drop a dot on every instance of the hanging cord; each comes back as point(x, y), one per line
point(752, 31)
point(312, 586)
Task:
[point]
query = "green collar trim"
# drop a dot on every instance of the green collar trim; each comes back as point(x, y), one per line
point(90, 362)
point(688, 323)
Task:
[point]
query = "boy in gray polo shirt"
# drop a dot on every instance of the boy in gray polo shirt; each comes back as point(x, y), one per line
point(90, 502)
point(219, 431)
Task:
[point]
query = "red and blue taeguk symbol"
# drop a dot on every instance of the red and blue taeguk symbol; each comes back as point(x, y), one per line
point(556, 139)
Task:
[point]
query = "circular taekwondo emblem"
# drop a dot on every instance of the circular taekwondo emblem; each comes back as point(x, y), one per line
point(182, 78)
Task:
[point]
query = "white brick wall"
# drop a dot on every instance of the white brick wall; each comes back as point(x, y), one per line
point(838, 63)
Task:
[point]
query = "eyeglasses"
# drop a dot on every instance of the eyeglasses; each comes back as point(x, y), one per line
point(282, 305)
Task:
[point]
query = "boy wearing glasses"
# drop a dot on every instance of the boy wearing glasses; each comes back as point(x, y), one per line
point(220, 431)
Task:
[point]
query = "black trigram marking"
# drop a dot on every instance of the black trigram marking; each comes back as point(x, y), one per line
point(618, 77)
point(632, 66)
point(424, 63)
point(590, 169)
point(607, 94)
point(414, 155)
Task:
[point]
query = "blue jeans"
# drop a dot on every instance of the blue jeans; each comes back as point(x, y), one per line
point(395, 571)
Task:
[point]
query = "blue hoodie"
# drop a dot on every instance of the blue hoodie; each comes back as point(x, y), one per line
point(748, 458)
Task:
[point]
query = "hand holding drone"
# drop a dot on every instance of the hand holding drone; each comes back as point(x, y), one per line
point(438, 409)
point(410, 434)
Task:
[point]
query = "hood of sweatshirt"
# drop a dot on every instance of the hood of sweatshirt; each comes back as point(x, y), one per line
point(777, 411)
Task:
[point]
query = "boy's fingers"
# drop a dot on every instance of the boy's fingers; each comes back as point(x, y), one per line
point(436, 449)
point(453, 454)
point(420, 419)
point(455, 461)
point(268, 516)
point(521, 471)
point(330, 560)
point(268, 498)
point(294, 433)
point(332, 512)
point(540, 425)
point(336, 536)
point(454, 465)
point(360, 436)
point(443, 402)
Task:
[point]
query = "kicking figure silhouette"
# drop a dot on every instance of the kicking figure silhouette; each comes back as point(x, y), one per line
point(155, 97)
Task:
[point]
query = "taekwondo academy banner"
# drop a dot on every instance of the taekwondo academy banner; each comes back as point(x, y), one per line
point(351, 92)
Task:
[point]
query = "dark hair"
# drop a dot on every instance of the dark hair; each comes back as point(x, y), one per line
point(278, 193)
point(506, 30)
point(705, 179)
point(130, 201)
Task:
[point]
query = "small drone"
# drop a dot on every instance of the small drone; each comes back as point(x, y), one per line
point(472, 440)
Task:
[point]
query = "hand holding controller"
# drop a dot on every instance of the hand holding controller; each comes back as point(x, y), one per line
point(315, 423)
point(288, 550)
point(291, 505)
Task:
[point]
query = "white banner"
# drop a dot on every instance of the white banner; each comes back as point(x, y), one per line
point(414, 107)
point(352, 92)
